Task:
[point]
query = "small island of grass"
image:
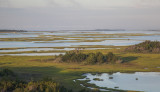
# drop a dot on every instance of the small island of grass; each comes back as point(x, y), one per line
point(98, 79)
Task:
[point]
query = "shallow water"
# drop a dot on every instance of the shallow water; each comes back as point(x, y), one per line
point(13, 44)
point(152, 38)
point(38, 49)
point(48, 49)
point(131, 31)
point(33, 54)
point(18, 35)
point(55, 41)
point(66, 43)
point(139, 81)
point(28, 49)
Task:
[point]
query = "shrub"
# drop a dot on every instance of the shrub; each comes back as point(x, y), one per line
point(111, 57)
point(7, 72)
point(145, 47)
point(45, 85)
point(91, 58)
point(100, 57)
point(38, 86)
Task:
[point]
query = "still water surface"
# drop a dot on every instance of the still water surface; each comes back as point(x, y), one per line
point(69, 42)
point(139, 81)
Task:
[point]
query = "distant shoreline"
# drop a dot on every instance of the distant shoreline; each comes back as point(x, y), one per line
point(11, 31)
point(4, 31)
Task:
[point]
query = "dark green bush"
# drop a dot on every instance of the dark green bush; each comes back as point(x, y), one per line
point(111, 57)
point(45, 85)
point(39, 86)
point(145, 47)
point(9, 83)
point(6, 72)
point(91, 58)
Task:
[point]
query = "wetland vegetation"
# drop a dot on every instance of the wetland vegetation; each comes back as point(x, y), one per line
point(145, 47)
point(92, 57)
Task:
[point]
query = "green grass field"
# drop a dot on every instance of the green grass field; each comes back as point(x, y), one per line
point(37, 67)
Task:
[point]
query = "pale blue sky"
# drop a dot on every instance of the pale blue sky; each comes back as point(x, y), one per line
point(79, 14)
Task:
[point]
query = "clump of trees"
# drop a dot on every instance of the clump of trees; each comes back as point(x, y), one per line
point(32, 86)
point(145, 47)
point(90, 58)
point(8, 83)
point(37, 86)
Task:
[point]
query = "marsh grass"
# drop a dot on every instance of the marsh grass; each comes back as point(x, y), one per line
point(38, 67)
point(66, 72)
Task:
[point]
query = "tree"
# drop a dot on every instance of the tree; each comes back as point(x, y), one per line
point(100, 57)
point(111, 57)
point(91, 59)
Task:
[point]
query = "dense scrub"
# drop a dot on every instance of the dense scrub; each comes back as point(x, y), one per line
point(9, 82)
point(38, 86)
point(7, 73)
point(91, 58)
point(145, 47)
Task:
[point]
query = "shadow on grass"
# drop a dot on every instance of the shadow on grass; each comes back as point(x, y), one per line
point(40, 73)
point(129, 59)
point(35, 73)
point(5, 63)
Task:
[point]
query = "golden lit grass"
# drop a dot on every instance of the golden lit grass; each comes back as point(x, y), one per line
point(66, 72)
point(132, 62)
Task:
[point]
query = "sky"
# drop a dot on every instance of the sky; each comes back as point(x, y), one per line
point(79, 14)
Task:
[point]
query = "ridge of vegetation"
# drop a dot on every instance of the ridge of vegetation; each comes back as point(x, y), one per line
point(145, 47)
